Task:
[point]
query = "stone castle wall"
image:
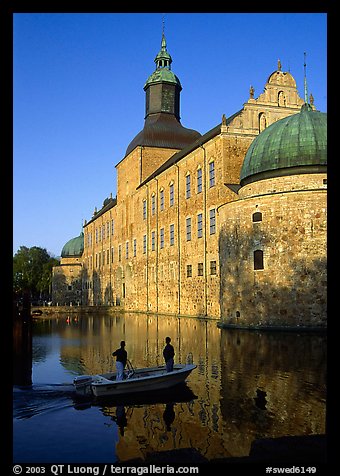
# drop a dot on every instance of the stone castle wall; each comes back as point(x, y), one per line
point(290, 288)
point(159, 250)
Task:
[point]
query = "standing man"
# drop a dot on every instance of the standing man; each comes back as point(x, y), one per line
point(121, 356)
point(168, 354)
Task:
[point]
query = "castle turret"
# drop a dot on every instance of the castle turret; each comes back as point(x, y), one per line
point(162, 127)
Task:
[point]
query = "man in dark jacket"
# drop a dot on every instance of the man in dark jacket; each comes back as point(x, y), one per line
point(168, 354)
point(121, 356)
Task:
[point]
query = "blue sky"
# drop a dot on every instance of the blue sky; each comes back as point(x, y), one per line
point(78, 96)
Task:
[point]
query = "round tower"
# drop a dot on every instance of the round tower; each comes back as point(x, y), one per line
point(273, 237)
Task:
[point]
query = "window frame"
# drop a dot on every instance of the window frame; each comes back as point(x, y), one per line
point(199, 180)
point(188, 228)
point(212, 174)
point(212, 221)
point(258, 260)
point(187, 186)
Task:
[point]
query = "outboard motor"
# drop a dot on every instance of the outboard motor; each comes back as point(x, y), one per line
point(83, 384)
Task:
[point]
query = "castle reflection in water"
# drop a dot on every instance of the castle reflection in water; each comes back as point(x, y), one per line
point(248, 384)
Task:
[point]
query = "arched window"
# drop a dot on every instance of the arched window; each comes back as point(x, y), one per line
point(258, 259)
point(281, 99)
point(262, 122)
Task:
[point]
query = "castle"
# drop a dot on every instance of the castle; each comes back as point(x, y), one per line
point(229, 225)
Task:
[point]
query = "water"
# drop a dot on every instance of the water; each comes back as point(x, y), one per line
point(247, 385)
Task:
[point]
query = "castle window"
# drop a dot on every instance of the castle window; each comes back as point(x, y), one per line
point(172, 234)
point(199, 180)
point(161, 199)
point(144, 209)
point(281, 99)
point(171, 196)
point(120, 253)
point(188, 228)
point(161, 237)
point(258, 259)
point(212, 218)
point(187, 186)
point(189, 270)
point(112, 227)
point(127, 250)
point(199, 225)
point(144, 244)
point(107, 229)
point(107, 256)
point(212, 174)
point(153, 241)
point(262, 122)
point(153, 204)
point(257, 216)
point(200, 269)
point(135, 247)
point(213, 269)
point(112, 254)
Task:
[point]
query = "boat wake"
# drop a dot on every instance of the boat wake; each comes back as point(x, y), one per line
point(37, 399)
point(41, 398)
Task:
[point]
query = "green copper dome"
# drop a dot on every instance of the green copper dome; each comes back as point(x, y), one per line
point(295, 144)
point(162, 75)
point(74, 247)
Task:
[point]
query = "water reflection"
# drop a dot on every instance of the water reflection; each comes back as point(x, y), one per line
point(247, 385)
point(22, 349)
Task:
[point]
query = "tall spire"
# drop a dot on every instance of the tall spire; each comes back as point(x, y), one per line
point(305, 80)
point(163, 59)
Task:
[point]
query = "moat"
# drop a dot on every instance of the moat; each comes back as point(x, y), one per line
point(247, 385)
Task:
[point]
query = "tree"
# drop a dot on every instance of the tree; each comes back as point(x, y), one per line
point(32, 271)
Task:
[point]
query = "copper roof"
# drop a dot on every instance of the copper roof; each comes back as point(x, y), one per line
point(163, 130)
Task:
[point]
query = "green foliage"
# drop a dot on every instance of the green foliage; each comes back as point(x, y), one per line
point(32, 271)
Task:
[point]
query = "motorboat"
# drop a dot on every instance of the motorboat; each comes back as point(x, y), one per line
point(147, 379)
point(181, 393)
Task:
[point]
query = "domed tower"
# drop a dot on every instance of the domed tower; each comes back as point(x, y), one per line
point(162, 126)
point(291, 146)
point(66, 278)
point(273, 237)
point(74, 248)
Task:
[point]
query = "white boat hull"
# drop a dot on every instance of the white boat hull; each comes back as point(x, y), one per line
point(143, 380)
